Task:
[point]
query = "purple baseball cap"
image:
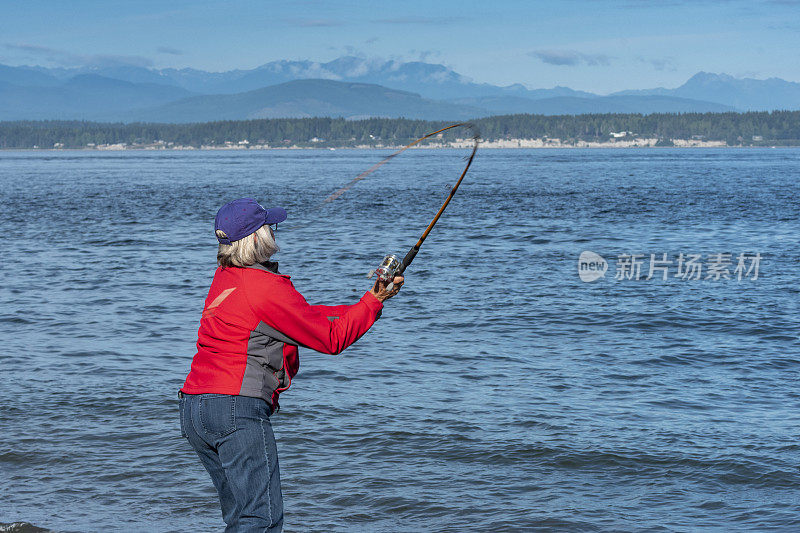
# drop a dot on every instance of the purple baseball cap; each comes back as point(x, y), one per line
point(241, 217)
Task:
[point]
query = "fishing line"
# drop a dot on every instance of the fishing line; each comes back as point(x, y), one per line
point(475, 137)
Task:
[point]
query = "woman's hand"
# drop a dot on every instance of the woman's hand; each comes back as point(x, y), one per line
point(379, 289)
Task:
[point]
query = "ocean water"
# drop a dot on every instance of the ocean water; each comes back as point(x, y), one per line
point(498, 392)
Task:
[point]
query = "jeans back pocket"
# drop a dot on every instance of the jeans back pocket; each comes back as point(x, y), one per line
point(218, 414)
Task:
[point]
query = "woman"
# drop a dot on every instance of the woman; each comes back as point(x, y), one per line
point(252, 323)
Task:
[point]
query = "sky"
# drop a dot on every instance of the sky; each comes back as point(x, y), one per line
point(593, 45)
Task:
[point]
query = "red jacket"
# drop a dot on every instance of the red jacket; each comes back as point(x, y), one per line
point(254, 320)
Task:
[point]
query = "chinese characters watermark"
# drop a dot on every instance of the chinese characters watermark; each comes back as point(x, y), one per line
point(714, 267)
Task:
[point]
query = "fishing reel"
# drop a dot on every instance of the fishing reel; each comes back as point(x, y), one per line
point(387, 270)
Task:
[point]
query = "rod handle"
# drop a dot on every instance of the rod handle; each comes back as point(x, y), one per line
point(412, 253)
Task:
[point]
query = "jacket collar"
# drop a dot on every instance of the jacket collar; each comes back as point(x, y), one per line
point(267, 266)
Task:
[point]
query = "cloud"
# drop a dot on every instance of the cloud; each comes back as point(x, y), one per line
point(314, 23)
point(116, 61)
point(354, 51)
point(662, 64)
point(424, 55)
point(169, 50)
point(437, 21)
point(69, 59)
point(785, 26)
point(661, 4)
point(570, 58)
point(151, 16)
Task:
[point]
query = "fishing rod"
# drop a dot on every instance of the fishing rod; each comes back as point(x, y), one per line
point(391, 265)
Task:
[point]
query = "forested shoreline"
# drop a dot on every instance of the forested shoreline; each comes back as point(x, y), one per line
point(777, 128)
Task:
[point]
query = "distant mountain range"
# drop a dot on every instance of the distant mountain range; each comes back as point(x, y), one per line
point(85, 96)
point(307, 98)
point(347, 87)
point(428, 79)
point(743, 94)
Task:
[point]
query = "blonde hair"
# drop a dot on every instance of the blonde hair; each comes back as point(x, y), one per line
point(255, 248)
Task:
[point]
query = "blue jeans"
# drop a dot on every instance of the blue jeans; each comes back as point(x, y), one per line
point(233, 437)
